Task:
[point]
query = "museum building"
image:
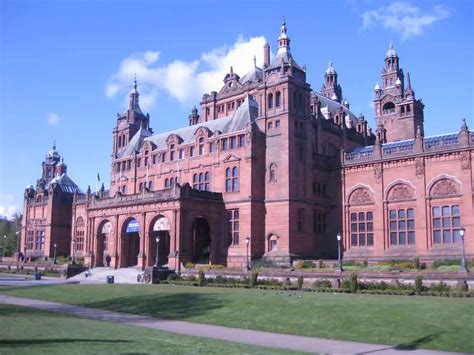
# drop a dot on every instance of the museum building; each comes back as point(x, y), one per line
point(269, 168)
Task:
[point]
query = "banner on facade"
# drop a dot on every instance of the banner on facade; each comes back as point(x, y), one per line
point(161, 224)
point(133, 226)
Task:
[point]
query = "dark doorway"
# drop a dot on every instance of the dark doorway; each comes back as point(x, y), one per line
point(163, 247)
point(201, 241)
point(130, 244)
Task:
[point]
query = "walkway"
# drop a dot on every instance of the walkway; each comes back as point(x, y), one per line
point(252, 337)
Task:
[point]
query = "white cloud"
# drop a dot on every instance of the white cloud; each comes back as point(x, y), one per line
point(53, 119)
point(405, 19)
point(185, 81)
point(8, 206)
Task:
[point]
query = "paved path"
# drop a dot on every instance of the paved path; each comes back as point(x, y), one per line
point(252, 337)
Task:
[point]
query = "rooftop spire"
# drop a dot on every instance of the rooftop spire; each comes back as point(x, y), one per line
point(133, 100)
point(283, 39)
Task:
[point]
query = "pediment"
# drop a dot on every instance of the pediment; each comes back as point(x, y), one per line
point(231, 158)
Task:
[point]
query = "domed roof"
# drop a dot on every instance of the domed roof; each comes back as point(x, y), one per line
point(391, 52)
point(377, 87)
point(53, 153)
point(29, 186)
point(330, 69)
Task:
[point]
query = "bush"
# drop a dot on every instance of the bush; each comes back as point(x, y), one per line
point(254, 279)
point(211, 267)
point(418, 284)
point(201, 278)
point(353, 283)
point(189, 265)
point(264, 263)
point(366, 263)
point(322, 284)
point(461, 286)
point(300, 282)
point(173, 277)
point(416, 262)
point(440, 287)
point(304, 264)
point(345, 284)
point(320, 264)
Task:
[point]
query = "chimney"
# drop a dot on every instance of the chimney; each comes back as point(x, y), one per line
point(266, 55)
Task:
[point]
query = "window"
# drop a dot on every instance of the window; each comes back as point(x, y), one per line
point(120, 141)
point(362, 229)
point(232, 179)
point(233, 142)
point(320, 224)
point(233, 226)
point(272, 172)
point(294, 100)
point(201, 146)
point(207, 181)
point(446, 223)
point(181, 154)
point(195, 182)
point(191, 152)
point(402, 226)
point(167, 183)
point(269, 125)
point(139, 162)
point(211, 147)
point(140, 187)
point(150, 186)
point(300, 220)
point(270, 100)
point(146, 162)
point(171, 152)
point(30, 240)
point(153, 159)
point(225, 144)
point(129, 165)
point(277, 99)
point(163, 157)
point(79, 234)
point(242, 140)
point(272, 243)
point(39, 240)
point(124, 189)
point(277, 124)
point(201, 181)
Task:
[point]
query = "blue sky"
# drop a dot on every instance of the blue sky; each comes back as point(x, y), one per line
point(67, 66)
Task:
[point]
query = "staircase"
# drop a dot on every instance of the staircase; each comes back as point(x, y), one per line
point(99, 274)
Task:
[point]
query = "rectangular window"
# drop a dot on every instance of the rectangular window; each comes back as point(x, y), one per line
point(270, 125)
point(129, 164)
point(233, 142)
point(225, 144)
point(139, 162)
point(402, 226)
point(211, 147)
point(446, 223)
point(300, 220)
point(146, 161)
point(362, 229)
point(242, 140)
point(181, 154)
point(233, 226)
point(277, 124)
point(153, 160)
point(163, 157)
point(191, 152)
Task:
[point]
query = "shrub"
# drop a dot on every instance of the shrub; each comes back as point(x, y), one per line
point(345, 284)
point(440, 287)
point(264, 263)
point(418, 284)
point(254, 279)
point(304, 264)
point(201, 278)
point(300, 282)
point(322, 284)
point(189, 265)
point(173, 277)
point(366, 263)
point(416, 262)
point(287, 281)
point(320, 264)
point(353, 283)
point(461, 286)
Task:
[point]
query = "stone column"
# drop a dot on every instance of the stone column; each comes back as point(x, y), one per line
point(175, 235)
point(117, 245)
point(142, 257)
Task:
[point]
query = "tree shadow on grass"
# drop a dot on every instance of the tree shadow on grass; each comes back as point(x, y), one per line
point(177, 306)
point(29, 342)
point(413, 345)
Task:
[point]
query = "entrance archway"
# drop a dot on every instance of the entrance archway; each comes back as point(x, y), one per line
point(159, 230)
point(130, 243)
point(201, 241)
point(103, 238)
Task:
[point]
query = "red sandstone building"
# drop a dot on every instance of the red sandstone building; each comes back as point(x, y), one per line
point(261, 165)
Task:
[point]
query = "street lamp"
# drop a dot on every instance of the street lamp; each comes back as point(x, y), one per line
point(157, 250)
point(463, 256)
point(4, 242)
point(247, 242)
point(339, 259)
point(54, 253)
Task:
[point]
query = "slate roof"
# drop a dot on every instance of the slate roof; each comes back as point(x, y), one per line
point(285, 54)
point(255, 75)
point(332, 106)
point(246, 113)
point(65, 184)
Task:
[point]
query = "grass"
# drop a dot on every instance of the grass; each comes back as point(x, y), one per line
point(26, 330)
point(435, 323)
point(6, 275)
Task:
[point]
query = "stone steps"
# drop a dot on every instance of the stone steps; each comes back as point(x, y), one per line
point(99, 275)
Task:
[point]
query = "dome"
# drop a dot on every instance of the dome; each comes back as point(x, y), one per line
point(377, 87)
point(398, 82)
point(391, 52)
point(330, 69)
point(29, 187)
point(345, 103)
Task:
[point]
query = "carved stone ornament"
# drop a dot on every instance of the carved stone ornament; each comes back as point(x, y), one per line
point(161, 224)
point(400, 192)
point(465, 161)
point(444, 187)
point(360, 196)
point(419, 168)
point(378, 173)
point(107, 228)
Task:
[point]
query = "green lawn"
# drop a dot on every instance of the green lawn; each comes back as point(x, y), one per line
point(430, 322)
point(26, 330)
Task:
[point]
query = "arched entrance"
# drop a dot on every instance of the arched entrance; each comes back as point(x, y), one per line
point(201, 241)
point(103, 237)
point(130, 243)
point(159, 235)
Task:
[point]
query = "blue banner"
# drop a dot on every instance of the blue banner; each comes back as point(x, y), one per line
point(133, 226)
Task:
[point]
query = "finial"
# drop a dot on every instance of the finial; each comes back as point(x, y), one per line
point(464, 125)
point(255, 61)
point(390, 45)
point(418, 131)
point(54, 144)
point(135, 82)
point(284, 21)
point(231, 70)
point(408, 81)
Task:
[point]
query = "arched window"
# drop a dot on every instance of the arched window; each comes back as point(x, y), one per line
point(272, 242)
point(272, 172)
point(278, 99)
point(124, 189)
point(140, 187)
point(167, 183)
point(195, 182)
point(207, 181)
point(201, 181)
point(228, 180)
point(388, 107)
point(300, 100)
point(150, 186)
point(235, 179)
point(270, 100)
point(80, 231)
point(120, 141)
point(171, 152)
point(201, 146)
point(295, 104)
point(39, 199)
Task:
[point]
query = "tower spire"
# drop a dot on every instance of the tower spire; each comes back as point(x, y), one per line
point(134, 94)
point(283, 39)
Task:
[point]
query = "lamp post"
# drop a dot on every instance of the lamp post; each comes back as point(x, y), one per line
point(54, 253)
point(4, 242)
point(73, 249)
point(157, 250)
point(339, 259)
point(463, 256)
point(247, 242)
